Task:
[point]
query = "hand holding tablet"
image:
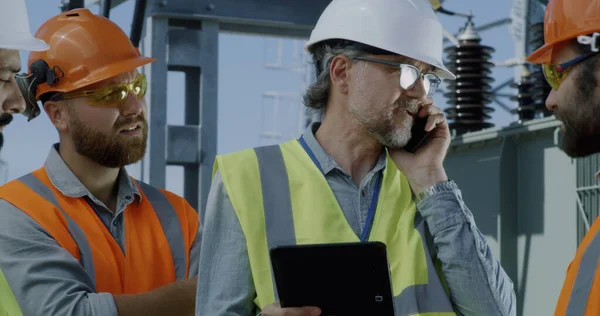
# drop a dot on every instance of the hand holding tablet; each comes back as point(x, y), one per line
point(341, 279)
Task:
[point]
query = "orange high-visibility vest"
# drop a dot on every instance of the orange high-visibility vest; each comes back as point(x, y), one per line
point(160, 229)
point(580, 294)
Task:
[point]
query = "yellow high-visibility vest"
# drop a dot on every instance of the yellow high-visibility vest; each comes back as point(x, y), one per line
point(281, 197)
point(8, 302)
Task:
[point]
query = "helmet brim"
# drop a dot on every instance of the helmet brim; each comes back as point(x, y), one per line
point(24, 42)
point(542, 55)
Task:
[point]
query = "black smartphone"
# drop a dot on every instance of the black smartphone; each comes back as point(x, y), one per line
point(418, 134)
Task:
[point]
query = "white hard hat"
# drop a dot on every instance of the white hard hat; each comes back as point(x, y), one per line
point(405, 27)
point(14, 27)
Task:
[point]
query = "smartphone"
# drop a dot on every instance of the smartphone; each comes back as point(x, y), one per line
point(418, 134)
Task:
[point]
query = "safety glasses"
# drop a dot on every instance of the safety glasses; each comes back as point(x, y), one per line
point(556, 74)
point(409, 75)
point(112, 95)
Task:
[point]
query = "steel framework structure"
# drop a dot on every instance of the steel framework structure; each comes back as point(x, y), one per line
point(190, 30)
point(183, 36)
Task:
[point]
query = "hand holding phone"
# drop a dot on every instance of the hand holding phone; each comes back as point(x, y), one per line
point(418, 134)
point(425, 167)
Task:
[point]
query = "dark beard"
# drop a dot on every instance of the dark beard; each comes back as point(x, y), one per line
point(5, 119)
point(106, 150)
point(581, 135)
point(579, 145)
point(581, 113)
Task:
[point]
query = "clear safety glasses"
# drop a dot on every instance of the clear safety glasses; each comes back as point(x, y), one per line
point(409, 75)
point(110, 96)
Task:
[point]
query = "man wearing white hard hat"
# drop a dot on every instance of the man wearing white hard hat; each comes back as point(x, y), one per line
point(350, 179)
point(15, 35)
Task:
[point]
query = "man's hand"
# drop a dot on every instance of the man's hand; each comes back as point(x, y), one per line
point(177, 298)
point(276, 310)
point(425, 167)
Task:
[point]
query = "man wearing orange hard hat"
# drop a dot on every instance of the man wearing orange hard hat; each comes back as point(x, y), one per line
point(79, 236)
point(571, 64)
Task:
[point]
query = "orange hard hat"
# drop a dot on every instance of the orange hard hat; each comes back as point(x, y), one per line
point(565, 20)
point(84, 49)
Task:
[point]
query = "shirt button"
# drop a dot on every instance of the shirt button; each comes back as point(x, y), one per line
point(114, 223)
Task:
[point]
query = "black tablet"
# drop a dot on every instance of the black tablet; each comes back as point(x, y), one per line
point(341, 279)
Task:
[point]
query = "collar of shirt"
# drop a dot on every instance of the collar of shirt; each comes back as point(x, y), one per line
point(327, 163)
point(67, 183)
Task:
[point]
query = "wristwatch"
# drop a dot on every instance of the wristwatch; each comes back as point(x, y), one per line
point(446, 186)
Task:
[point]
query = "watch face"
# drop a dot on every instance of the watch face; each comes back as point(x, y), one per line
point(440, 187)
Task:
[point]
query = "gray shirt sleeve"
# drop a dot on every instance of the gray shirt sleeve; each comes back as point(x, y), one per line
point(478, 284)
point(44, 277)
point(225, 284)
point(195, 254)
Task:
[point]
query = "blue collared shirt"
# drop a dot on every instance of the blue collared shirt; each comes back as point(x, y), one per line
point(43, 276)
point(478, 284)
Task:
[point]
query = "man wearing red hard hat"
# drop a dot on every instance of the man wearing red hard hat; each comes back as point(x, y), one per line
point(571, 64)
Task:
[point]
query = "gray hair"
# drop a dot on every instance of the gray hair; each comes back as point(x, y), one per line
point(317, 94)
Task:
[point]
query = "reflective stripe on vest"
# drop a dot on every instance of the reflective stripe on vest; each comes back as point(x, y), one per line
point(158, 234)
point(85, 252)
point(171, 227)
point(581, 289)
point(585, 278)
point(284, 173)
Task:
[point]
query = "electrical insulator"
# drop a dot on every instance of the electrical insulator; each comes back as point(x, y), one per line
point(526, 107)
point(541, 88)
point(470, 93)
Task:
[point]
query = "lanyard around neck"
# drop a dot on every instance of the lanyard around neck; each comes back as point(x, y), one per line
point(372, 207)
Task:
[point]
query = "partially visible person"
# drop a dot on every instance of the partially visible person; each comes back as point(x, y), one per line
point(79, 236)
point(15, 35)
point(571, 63)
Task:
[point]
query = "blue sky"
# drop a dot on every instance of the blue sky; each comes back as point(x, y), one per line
point(246, 86)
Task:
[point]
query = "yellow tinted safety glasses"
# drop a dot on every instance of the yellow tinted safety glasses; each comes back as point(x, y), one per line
point(556, 74)
point(110, 96)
